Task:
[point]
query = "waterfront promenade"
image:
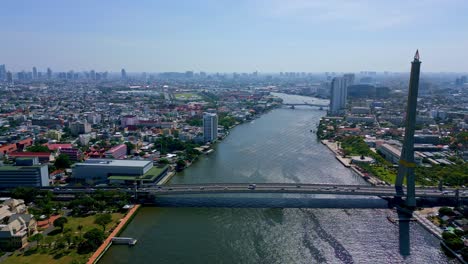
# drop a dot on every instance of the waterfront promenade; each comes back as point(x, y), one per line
point(100, 251)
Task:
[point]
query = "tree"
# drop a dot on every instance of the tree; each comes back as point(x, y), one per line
point(464, 253)
point(130, 147)
point(37, 148)
point(68, 237)
point(62, 162)
point(93, 239)
point(445, 211)
point(180, 164)
point(47, 210)
point(25, 193)
point(37, 237)
point(454, 243)
point(60, 222)
point(448, 235)
point(79, 227)
point(459, 232)
point(103, 220)
point(163, 161)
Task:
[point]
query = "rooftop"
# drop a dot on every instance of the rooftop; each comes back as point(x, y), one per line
point(150, 175)
point(114, 162)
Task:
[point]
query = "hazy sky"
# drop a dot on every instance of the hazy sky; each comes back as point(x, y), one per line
point(234, 35)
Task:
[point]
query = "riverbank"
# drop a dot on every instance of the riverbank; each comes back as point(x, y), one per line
point(422, 215)
point(166, 178)
point(107, 243)
point(347, 162)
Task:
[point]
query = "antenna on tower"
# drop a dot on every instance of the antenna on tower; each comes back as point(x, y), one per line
point(416, 56)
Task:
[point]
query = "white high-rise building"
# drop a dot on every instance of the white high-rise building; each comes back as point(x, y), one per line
point(210, 127)
point(339, 93)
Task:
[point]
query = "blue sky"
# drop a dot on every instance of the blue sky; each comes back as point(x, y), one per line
point(234, 35)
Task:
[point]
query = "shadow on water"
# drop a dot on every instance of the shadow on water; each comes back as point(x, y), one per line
point(249, 202)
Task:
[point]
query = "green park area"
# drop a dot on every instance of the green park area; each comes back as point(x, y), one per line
point(187, 96)
point(451, 175)
point(66, 244)
point(73, 230)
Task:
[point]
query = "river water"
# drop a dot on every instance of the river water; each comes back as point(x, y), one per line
point(277, 147)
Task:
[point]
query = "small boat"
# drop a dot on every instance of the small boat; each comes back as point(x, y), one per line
point(391, 219)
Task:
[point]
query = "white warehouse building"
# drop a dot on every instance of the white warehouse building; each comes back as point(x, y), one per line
point(98, 170)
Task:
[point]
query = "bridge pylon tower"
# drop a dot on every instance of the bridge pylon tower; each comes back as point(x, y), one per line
point(406, 164)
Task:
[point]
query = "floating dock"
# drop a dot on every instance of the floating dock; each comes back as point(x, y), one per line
point(124, 241)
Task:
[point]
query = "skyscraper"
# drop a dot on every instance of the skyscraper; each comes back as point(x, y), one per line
point(349, 78)
point(49, 73)
point(123, 74)
point(34, 73)
point(9, 77)
point(92, 75)
point(2, 72)
point(210, 127)
point(339, 93)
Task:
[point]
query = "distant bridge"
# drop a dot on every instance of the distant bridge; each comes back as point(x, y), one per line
point(286, 188)
point(306, 104)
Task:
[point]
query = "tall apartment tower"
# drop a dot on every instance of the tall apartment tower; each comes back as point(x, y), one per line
point(34, 73)
point(210, 127)
point(123, 74)
point(339, 93)
point(9, 77)
point(3, 72)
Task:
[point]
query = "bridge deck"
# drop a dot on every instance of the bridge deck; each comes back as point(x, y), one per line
point(362, 190)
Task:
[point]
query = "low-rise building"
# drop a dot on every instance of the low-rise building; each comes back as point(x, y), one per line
point(392, 153)
point(94, 171)
point(32, 176)
point(44, 157)
point(360, 119)
point(14, 234)
point(74, 154)
point(117, 152)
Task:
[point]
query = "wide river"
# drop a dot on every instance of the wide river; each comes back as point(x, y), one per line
point(277, 147)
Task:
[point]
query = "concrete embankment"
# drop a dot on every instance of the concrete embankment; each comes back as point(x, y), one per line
point(106, 244)
point(347, 163)
point(166, 178)
point(421, 217)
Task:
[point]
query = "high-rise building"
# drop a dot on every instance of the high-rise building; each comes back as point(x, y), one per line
point(349, 78)
point(2, 72)
point(123, 74)
point(210, 127)
point(92, 75)
point(9, 77)
point(338, 96)
point(339, 93)
point(34, 73)
point(49, 73)
point(80, 128)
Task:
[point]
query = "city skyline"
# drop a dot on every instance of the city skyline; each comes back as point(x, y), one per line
point(245, 36)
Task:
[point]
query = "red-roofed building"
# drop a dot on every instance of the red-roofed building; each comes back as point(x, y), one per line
point(20, 145)
point(117, 152)
point(7, 149)
point(24, 143)
point(43, 157)
point(55, 146)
